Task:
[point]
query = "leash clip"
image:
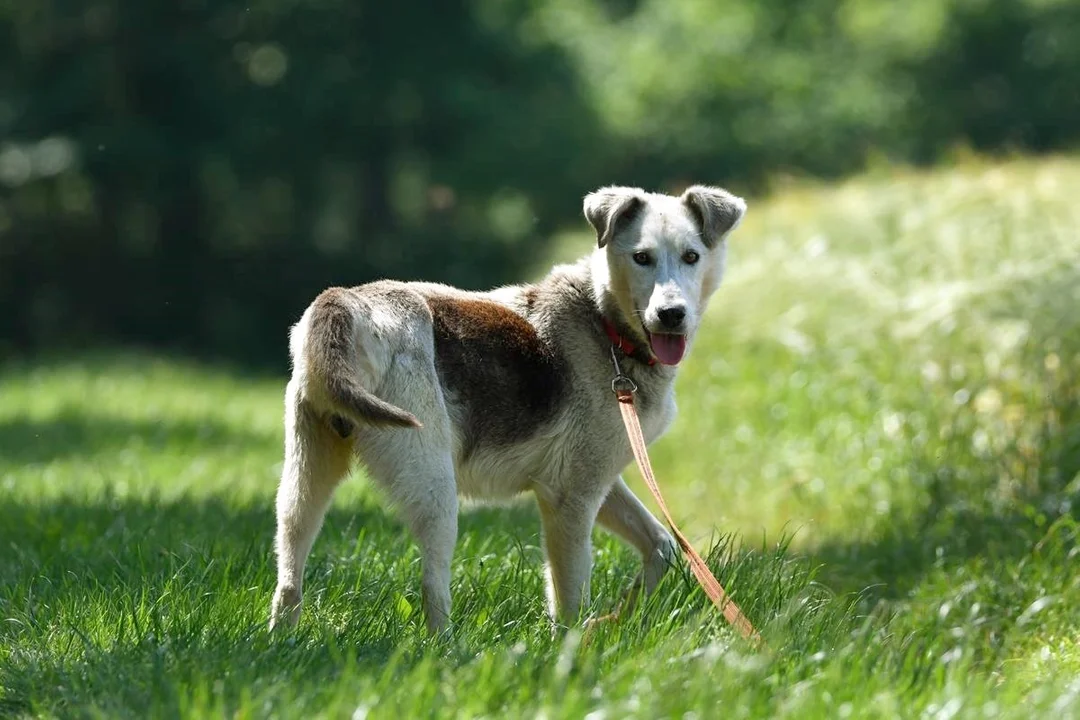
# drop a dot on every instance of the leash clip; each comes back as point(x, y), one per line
point(621, 382)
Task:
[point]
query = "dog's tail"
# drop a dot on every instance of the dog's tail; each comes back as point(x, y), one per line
point(330, 348)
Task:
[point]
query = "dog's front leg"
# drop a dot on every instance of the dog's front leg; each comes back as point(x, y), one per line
point(567, 526)
point(623, 514)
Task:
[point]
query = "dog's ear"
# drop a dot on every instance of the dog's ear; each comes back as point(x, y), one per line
point(716, 211)
point(606, 208)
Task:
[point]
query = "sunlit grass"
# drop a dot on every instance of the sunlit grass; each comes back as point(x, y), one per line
point(883, 407)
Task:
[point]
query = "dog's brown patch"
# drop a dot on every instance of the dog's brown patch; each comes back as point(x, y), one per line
point(508, 378)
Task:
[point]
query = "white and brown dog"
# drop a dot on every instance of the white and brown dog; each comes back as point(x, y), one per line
point(441, 392)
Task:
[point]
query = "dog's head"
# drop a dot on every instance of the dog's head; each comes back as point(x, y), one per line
point(661, 258)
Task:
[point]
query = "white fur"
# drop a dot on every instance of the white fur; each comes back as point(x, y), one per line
point(571, 463)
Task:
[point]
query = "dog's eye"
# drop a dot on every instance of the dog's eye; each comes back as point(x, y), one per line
point(642, 258)
point(690, 257)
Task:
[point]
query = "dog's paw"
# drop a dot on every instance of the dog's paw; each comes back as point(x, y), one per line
point(598, 621)
point(663, 556)
point(595, 624)
point(285, 610)
point(668, 548)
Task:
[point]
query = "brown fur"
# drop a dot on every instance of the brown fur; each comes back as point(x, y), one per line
point(508, 378)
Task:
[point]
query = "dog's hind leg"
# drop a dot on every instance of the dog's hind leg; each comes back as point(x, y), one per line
point(624, 514)
point(420, 483)
point(415, 468)
point(432, 517)
point(316, 460)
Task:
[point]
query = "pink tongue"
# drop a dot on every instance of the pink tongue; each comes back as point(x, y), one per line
point(668, 349)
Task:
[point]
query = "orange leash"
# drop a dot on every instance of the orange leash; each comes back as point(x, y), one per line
point(624, 390)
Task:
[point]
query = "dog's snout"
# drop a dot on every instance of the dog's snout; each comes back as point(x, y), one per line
point(672, 317)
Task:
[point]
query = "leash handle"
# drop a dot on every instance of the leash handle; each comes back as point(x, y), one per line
point(701, 571)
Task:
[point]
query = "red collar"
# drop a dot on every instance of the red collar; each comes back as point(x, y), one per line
point(628, 348)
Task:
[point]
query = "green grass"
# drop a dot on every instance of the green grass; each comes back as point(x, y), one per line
point(879, 437)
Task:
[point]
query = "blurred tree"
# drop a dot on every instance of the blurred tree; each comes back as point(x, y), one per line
point(190, 174)
point(736, 89)
point(228, 160)
point(1004, 74)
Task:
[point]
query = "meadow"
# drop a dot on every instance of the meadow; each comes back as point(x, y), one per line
point(878, 442)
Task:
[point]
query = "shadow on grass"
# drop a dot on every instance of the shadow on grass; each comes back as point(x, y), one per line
point(75, 434)
point(971, 513)
point(202, 571)
point(122, 541)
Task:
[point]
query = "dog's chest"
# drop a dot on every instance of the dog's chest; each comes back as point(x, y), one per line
point(580, 448)
point(657, 422)
point(655, 413)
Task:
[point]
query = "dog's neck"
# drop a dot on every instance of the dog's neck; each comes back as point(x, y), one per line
point(624, 345)
point(625, 334)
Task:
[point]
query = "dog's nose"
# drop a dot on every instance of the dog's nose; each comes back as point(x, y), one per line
point(672, 317)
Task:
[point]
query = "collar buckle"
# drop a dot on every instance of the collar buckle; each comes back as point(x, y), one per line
point(621, 383)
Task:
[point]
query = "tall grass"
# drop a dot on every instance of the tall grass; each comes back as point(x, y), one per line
point(879, 441)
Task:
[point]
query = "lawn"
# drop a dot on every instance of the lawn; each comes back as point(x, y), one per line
point(879, 438)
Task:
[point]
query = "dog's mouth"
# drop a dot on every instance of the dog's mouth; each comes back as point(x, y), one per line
point(668, 348)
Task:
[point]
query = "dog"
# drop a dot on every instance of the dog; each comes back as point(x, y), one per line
point(443, 393)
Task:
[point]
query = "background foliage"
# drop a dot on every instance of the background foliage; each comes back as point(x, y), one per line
point(189, 174)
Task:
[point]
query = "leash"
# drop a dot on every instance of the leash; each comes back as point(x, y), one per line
point(624, 389)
